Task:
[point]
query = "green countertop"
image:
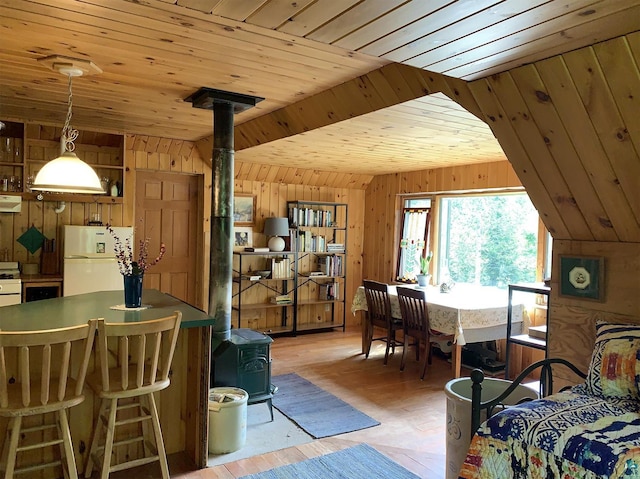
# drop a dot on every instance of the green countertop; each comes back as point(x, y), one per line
point(71, 310)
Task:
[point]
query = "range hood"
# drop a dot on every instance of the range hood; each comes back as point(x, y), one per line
point(10, 203)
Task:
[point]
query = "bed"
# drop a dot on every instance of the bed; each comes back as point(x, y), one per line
point(589, 431)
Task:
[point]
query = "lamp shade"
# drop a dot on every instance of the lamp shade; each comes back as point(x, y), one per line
point(276, 227)
point(68, 174)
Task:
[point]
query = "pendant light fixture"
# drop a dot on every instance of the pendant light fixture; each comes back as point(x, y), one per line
point(67, 173)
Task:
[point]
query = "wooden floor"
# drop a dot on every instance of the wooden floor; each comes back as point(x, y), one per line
point(411, 411)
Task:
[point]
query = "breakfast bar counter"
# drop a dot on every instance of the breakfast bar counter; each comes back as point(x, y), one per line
point(183, 405)
point(73, 310)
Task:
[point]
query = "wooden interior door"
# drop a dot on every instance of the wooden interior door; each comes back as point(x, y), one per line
point(167, 206)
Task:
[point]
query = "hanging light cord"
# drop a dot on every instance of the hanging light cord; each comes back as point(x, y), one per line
point(68, 132)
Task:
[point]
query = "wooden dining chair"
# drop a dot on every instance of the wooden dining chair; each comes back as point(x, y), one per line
point(415, 324)
point(37, 378)
point(379, 315)
point(128, 376)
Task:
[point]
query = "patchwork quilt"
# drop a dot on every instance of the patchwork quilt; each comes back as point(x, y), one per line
point(567, 435)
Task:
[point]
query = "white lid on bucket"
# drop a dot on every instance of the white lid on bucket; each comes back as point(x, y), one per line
point(223, 397)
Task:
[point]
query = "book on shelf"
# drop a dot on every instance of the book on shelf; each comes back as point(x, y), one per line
point(251, 277)
point(329, 291)
point(309, 217)
point(330, 265)
point(260, 249)
point(335, 247)
point(281, 299)
point(281, 268)
point(538, 332)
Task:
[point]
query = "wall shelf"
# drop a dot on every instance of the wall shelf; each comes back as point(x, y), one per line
point(30, 146)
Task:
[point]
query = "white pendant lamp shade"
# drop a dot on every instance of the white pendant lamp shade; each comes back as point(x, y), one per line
point(68, 174)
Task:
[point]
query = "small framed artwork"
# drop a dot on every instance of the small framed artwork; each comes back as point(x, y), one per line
point(242, 238)
point(244, 207)
point(582, 277)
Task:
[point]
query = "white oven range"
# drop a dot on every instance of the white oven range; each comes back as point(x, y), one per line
point(10, 284)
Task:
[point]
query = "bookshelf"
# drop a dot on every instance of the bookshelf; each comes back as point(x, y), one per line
point(300, 290)
point(263, 296)
point(319, 239)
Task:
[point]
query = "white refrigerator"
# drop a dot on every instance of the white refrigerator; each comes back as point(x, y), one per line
point(89, 262)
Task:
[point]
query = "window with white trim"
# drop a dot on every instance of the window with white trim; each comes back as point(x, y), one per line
point(414, 238)
point(487, 240)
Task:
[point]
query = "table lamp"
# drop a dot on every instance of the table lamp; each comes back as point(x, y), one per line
point(275, 228)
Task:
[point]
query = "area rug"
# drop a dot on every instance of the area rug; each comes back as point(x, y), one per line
point(318, 412)
point(264, 435)
point(357, 462)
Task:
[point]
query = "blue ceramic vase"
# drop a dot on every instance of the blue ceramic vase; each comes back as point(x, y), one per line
point(133, 290)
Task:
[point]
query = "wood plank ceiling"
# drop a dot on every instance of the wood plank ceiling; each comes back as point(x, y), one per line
point(155, 53)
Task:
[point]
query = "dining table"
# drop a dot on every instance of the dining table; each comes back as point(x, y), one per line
point(471, 313)
point(190, 367)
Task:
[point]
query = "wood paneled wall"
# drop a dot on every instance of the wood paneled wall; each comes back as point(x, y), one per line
point(383, 204)
point(572, 321)
point(569, 127)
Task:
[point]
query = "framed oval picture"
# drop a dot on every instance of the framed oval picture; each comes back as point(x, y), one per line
point(243, 209)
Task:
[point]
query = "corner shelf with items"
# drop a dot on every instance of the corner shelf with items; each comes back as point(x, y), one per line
point(536, 337)
point(11, 157)
point(319, 236)
point(30, 146)
point(263, 291)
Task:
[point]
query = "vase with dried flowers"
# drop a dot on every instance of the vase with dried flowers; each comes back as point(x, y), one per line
point(132, 270)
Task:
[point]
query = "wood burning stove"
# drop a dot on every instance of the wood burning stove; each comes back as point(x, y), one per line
point(244, 361)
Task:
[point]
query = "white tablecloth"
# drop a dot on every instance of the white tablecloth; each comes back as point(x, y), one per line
point(480, 312)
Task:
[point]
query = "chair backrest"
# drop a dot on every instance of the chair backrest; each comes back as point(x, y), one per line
point(414, 310)
point(143, 355)
point(35, 367)
point(378, 303)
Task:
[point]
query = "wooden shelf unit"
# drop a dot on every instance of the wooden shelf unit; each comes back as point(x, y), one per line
point(524, 339)
point(252, 298)
point(309, 310)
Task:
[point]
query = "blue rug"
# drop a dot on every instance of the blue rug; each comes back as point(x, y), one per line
point(319, 413)
point(357, 462)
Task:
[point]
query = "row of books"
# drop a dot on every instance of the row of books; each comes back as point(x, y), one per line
point(309, 217)
point(329, 291)
point(281, 268)
point(330, 265)
point(314, 243)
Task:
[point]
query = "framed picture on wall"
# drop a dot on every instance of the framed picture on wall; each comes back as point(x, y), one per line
point(244, 207)
point(582, 277)
point(242, 238)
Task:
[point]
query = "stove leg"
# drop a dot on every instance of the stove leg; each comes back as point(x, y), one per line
point(270, 404)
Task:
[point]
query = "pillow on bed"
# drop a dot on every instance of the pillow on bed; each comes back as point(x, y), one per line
point(615, 364)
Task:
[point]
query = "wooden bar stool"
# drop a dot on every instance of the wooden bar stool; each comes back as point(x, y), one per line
point(125, 384)
point(36, 379)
